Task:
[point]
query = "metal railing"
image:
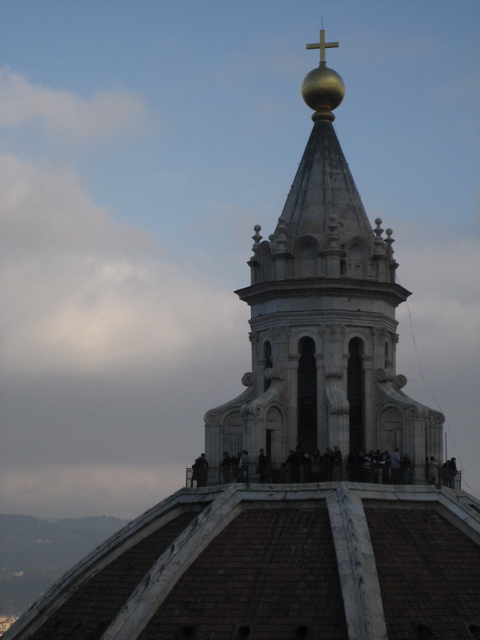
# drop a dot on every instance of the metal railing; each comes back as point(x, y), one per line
point(281, 473)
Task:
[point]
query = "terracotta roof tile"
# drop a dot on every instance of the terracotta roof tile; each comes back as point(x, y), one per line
point(429, 573)
point(92, 607)
point(281, 572)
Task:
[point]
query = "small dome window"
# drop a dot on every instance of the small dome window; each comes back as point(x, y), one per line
point(186, 632)
point(242, 632)
point(424, 632)
point(300, 632)
point(474, 630)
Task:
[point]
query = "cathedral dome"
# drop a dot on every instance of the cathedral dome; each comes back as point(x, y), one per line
point(337, 560)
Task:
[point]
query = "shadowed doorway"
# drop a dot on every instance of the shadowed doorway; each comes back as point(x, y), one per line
point(356, 394)
point(307, 396)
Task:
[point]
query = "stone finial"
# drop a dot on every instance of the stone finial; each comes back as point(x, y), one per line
point(389, 240)
point(378, 229)
point(257, 237)
point(378, 241)
point(281, 234)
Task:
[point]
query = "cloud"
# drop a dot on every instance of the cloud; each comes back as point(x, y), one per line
point(88, 292)
point(438, 330)
point(62, 113)
point(437, 268)
point(110, 353)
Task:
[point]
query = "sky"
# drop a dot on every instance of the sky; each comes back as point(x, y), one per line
point(140, 142)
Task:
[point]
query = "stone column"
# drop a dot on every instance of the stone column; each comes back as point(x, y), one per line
point(213, 444)
point(336, 387)
point(369, 379)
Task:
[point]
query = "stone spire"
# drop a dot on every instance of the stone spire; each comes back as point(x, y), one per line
point(323, 186)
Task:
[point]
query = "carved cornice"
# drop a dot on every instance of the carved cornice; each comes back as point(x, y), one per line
point(322, 287)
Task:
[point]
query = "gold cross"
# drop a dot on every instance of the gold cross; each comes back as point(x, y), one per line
point(322, 45)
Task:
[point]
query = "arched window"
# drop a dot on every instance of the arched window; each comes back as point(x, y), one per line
point(306, 253)
point(357, 261)
point(264, 256)
point(307, 396)
point(356, 394)
point(267, 357)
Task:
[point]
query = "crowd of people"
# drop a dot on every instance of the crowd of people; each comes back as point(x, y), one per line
point(441, 475)
point(232, 468)
point(373, 466)
point(200, 471)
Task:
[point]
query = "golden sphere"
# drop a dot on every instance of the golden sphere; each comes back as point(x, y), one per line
point(323, 89)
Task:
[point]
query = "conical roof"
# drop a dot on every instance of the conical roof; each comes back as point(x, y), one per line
point(324, 187)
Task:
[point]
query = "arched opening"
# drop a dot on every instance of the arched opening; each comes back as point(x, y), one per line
point(357, 261)
point(387, 356)
point(266, 264)
point(306, 254)
point(307, 396)
point(356, 394)
point(267, 357)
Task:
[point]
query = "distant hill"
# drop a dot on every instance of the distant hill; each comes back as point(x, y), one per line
point(34, 553)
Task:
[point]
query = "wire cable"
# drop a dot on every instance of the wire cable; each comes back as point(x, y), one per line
point(423, 379)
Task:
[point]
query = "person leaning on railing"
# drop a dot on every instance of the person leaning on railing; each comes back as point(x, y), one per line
point(243, 471)
point(433, 471)
point(395, 466)
point(406, 465)
point(225, 464)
